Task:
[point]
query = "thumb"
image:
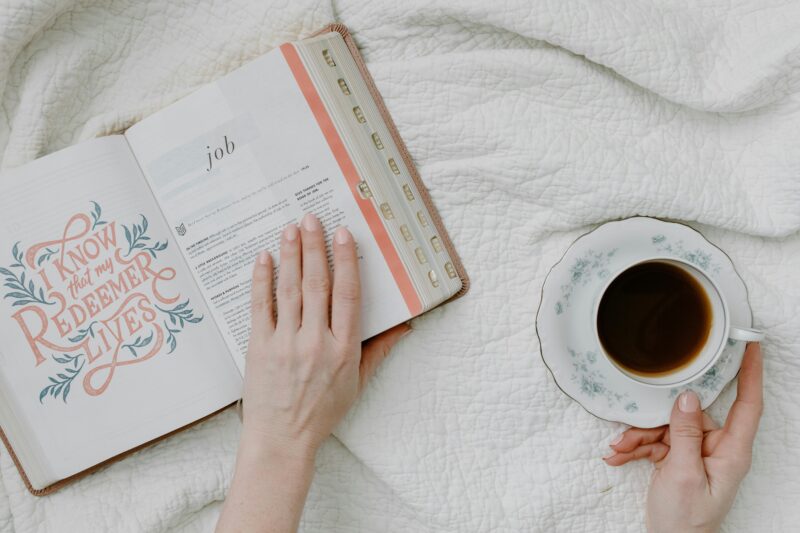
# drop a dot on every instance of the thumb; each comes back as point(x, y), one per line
point(686, 432)
point(377, 348)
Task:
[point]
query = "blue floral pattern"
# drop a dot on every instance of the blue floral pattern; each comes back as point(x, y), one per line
point(592, 265)
point(709, 383)
point(697, 257)
point(592, 382)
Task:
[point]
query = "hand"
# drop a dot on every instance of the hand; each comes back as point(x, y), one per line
point(698, 466)
point(303, 373)
point(306, 370)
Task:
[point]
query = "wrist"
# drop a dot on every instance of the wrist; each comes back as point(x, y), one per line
point(258, 450)
point(271, 477)
point(682, 527)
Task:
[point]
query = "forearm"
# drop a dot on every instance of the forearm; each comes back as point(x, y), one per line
point(268, 490)
point(304, 371)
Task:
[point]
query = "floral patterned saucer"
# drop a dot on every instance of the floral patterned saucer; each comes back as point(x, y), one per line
point(570, 348)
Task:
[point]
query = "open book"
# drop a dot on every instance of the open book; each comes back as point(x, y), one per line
point(125, 261)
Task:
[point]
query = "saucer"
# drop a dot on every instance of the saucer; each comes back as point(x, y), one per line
point(570, 348)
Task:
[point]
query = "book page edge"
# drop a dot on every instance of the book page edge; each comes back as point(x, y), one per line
point(404, 153)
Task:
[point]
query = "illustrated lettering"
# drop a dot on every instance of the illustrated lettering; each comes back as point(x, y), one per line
point(95, 299)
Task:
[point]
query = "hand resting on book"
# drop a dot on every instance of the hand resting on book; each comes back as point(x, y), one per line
point(304, 371)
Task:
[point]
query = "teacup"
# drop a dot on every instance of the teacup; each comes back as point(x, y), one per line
point(720, 330)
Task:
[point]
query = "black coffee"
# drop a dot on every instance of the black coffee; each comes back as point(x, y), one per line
point(654, 318)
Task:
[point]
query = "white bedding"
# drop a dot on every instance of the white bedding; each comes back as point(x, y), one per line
point(530, 123)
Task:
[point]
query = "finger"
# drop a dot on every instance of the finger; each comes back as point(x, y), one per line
point(316, 275)
point(376, 349)
point(708, 423)
point(708, 426)
point(686, 432)
point(289, 292)
point(635, 437)
point(713, 438)
point(654, 453)
point(262, 318)
point(745, 413)
point(346, 306)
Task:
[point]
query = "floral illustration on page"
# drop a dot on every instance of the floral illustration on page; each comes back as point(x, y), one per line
point(94, 300)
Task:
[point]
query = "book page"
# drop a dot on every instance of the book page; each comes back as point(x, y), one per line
point(106, 342)
point(235, 162)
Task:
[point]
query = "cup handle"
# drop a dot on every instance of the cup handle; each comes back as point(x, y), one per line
point(746, 334)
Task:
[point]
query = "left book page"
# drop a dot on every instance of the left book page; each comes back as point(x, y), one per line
point(106, 341)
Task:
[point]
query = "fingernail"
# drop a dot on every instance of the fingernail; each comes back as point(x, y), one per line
point(263, 257)
point(616, 440)
point(342, 236)
point(689, 402)
point(609, 456)
point(408, 330)
point(310, 222)
point(290, 233)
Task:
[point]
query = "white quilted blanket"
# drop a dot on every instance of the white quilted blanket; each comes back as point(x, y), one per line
point(530, 122)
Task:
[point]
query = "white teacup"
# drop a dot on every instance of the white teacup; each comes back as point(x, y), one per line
point(720, 330)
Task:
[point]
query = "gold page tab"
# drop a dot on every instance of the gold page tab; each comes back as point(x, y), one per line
point(377, 140)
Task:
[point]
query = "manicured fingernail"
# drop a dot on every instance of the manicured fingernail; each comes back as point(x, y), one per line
point(263, 257)
point(609, 456)
point(290, 233)
point(310, 222)
point(342, 236)
point(689, 402)
point(617, 440)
